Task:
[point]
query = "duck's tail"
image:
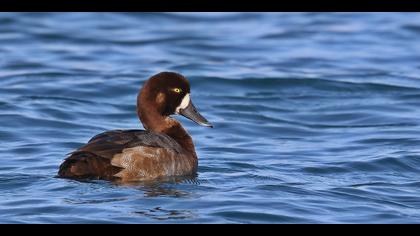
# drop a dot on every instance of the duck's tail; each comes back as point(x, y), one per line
point(87, 165)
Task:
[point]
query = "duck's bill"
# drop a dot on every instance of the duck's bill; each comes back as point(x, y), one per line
point(191, 113)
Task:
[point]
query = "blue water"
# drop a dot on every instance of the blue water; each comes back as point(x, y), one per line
point(317, 116)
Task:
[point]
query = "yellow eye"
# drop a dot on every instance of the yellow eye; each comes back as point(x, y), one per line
point(176, 90)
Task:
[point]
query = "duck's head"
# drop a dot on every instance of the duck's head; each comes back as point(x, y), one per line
point(168, 93)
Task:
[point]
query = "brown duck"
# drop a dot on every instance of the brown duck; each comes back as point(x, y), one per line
point(164, 149)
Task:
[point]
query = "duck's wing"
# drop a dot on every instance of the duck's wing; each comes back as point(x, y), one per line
point(108, 154)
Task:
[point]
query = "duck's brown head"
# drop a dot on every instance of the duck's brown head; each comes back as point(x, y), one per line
point(165, 94)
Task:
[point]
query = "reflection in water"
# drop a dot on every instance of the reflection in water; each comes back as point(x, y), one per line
point(159, 213)
point(162, 187)
point(157, 191)
point(167, 187)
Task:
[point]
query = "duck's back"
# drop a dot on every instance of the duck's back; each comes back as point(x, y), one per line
point(128, 155)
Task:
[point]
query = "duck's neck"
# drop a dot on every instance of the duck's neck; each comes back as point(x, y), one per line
point(179, 134)
point(158, 123)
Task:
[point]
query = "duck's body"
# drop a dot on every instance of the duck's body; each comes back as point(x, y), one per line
point(163, 149)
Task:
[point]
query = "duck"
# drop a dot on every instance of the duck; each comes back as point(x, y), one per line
point(162, 149)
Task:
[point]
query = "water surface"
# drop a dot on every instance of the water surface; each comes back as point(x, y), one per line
point(316, 115)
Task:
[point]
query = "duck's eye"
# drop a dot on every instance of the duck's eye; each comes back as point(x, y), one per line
point(177, 90)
